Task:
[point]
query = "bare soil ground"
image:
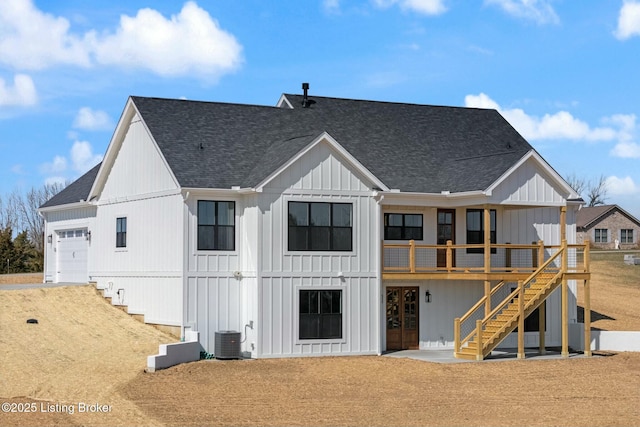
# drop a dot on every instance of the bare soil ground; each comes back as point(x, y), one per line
point(16, 279)
point(84, 351)
point(615, 293)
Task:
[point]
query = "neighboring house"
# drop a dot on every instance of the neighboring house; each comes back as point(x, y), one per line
point(319, 227)
point(608, 227)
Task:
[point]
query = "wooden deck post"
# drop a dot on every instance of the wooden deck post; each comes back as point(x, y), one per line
point(540, 253)
point(449, 255)
point(479, 355)
point(587, 319)
point(412, 256)
point(521, 353)
point(542, 326)
point(587, 302)
point(565, 302)
point(456, 336)
point(487, 239)
point(487, 295)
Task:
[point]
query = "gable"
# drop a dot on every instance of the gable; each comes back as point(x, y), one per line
point(135, 166)
point(531, 182)
point(322, 166)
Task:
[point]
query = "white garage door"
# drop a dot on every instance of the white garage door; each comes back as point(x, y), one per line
point(72, 256)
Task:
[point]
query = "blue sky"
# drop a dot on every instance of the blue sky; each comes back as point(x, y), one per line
point(564, 73)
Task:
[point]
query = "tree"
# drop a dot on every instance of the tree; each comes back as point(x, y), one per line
point(593, 192)
point(7, 251)
point(26, 258)
point(29, 219)
point(597, 192)
point(577, 183)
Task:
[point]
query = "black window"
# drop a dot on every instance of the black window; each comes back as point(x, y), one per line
point(121, 232)
point(475, 229)
point(320, 314)
point(402, 226)
point(216, 226)
point(626, 236)
point(320, 226)
point(601, 235)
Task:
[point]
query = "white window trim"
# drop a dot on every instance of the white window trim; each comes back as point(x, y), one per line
point(236, 226)
point(296, 314)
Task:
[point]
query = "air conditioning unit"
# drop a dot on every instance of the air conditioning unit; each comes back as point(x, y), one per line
point(227, 345)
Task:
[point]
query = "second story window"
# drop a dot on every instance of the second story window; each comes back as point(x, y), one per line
point(319, 226)
point(475, 229)
point(216, 226)
point(121, 232)
point(402, 226)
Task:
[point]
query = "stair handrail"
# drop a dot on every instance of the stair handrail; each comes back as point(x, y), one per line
point(460, 321)
point(504, 302)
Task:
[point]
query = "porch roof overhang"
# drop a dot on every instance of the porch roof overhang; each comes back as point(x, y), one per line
point(446, 199)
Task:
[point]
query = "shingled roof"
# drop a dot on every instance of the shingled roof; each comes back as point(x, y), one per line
point(413, 148)
point(589, 216)
point(75, 192)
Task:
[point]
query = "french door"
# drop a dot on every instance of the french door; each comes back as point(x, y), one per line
point(402, 318)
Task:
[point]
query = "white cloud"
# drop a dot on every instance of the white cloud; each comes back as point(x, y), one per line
point(56, 180)
point(621, 186)
point(626, 147)
point(31, 39)
point(57, 165)
point(626, 150)
point(628, 20)
point(22, 93)
point(189, 43)
point(82, 157)
point(331, 6)
point(539, 11)
point(90, 119)
point(561, 125)
point(61, 169)
point(426, 7)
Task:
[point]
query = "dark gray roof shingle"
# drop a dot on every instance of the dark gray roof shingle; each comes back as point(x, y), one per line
point(414, 148)
point(76, 191)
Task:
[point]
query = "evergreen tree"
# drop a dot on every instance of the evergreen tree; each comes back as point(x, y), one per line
point(7, 250)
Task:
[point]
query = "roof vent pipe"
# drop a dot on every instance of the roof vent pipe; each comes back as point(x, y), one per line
point(306, 102)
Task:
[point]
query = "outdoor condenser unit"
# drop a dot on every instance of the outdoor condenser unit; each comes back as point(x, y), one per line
point(227, 345)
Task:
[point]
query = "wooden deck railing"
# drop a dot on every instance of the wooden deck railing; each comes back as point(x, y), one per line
point(415, 258)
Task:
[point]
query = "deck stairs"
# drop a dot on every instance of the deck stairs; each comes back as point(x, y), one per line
point(491, 330)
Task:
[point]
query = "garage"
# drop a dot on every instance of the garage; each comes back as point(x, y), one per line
point(72, 256)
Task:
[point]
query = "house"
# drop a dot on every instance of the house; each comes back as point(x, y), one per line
point(608, 227)
point(325, 226)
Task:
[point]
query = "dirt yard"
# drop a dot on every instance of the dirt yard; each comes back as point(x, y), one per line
point(16, 279)
point(84, 354)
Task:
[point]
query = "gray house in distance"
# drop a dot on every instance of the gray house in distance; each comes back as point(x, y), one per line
point(324, 226)
point(608, 227)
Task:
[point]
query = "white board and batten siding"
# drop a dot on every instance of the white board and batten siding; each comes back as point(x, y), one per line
point(146, 275)
point(67, 254)
point(220, 292)
point(533, 185)
point(320, 175)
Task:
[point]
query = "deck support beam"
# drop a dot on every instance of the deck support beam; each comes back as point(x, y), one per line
point(542, 327)
point(521, 353)
point(587, 305)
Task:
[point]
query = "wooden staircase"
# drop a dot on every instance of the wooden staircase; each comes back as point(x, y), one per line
point(491, 330)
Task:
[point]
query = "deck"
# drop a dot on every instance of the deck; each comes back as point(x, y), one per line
point(494, 262)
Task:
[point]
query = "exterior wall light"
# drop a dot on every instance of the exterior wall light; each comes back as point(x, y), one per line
point(88, 236)
point(49, 238)
point(427, 296)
